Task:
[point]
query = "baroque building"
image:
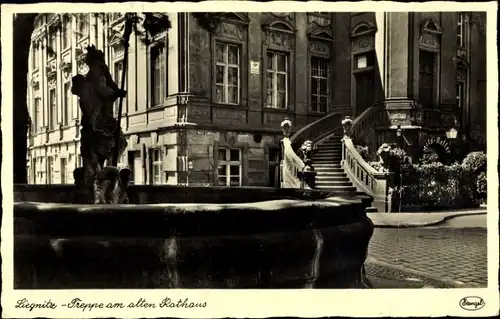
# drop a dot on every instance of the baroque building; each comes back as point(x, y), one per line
point(204, 105)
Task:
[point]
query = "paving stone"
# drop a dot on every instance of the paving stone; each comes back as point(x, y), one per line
point(454, 254)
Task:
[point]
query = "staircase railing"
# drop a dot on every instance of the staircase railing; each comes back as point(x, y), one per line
point(291, 163)
point(361, 174)
point(291, 166)
point(317, 129)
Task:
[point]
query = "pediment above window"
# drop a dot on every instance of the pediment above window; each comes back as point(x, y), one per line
point(281, 26)
point(235, 17)
point(431, 26)
point(324, 34)
point(363, 28)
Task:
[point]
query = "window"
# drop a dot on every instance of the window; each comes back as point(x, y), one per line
point(460, 30)
point(158, 76)
point(156, 166)
point(274, 164)
point(229, 168)
point(64, 167)
point(83, 25)
point(67, 110)
point(37, 118)
point(66, 32)
point(118, 70)
point(227, 73)
point(319, 84)
point(51, 50)
point(34, 56)
point(277, 80)
point(52, 109)
point(50, 170)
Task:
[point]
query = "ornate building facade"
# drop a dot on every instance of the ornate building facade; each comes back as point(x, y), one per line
point(204, 105)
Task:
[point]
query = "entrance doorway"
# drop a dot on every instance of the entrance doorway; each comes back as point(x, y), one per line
point(365, 95)
point(427, 65)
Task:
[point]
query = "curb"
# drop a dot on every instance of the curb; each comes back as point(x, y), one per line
point(436, 222)
point(449, 282)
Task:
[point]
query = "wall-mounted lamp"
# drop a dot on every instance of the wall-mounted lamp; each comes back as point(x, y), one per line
point(399, 134)
point(452, 132)
point(399, 131)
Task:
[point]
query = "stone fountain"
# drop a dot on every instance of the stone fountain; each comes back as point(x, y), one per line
point(102, 234)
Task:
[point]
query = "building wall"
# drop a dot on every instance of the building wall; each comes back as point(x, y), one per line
point(179, 137)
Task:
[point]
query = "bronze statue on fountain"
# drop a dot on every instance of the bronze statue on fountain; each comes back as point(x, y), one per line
point(97, 93)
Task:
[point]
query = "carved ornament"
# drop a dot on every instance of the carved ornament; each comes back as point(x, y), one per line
point(321, 47)
point(230, 30)
point(35, 80)
point(429, 41)
point(51, 69)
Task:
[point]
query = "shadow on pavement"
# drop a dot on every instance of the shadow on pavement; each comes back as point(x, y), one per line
point(388, 278)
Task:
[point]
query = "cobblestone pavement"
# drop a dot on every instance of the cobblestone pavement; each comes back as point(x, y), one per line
point(456, 255)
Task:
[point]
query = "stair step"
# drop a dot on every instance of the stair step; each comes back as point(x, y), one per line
point(343, 189)
point(333, 183)
point(330, 143)
point(320, 170)
point(326, 165)
point(331, 174)
point(371, 209)
point(322, 178)
point(326, 157)
point(328, 153)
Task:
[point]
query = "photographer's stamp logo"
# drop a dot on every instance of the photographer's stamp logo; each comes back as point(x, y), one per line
point(472, 303)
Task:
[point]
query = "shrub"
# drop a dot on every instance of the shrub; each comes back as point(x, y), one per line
point(428, 158)
point(377, 166)
point(364, 152)
point(481, 185)
point(436, 184)
point(475, 162)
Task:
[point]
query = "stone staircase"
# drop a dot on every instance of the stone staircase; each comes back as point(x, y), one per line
point(330, 174)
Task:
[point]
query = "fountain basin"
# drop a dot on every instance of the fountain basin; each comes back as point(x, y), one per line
point(282, 243)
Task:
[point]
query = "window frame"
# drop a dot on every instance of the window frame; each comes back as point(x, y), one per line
point(157, 51)
point(50, 169)
point(37, 116)
point(461, 30)
point(82, 33)
point(66, 32)
point(118, 78)
point(53, 109)
point(274, 71)
point(227, 163)
point(52, 44)
point(156, 163)
point(317, 109)
point(34, 57)
point(67, 103)
point(63, 171)
point(226, 66)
